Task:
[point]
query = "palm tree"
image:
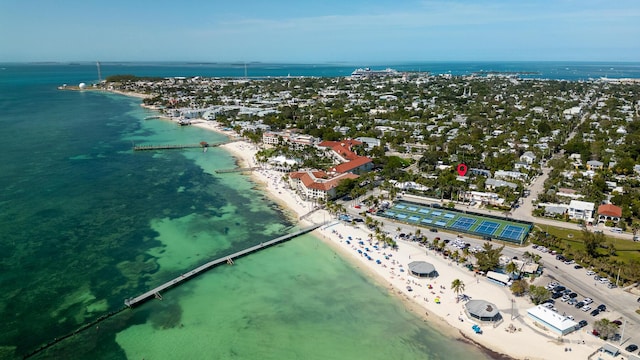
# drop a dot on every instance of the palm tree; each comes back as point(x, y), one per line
point(457, 286)
point(456, 256)
point(511, 267)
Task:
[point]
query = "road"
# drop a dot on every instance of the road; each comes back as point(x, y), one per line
point(620, 304)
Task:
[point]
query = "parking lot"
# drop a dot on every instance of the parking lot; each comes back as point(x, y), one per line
point(589, 293)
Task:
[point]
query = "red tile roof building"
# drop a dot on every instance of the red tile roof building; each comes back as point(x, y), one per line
point(350, 161)
point(610, 212)
point(316, 184)
point(320, 184)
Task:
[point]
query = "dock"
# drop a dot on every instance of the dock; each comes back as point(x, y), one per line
point(178, 146)
point(225, 171)
point(228, 259)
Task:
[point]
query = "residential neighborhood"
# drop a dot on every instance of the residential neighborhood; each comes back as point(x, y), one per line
point(416, 127)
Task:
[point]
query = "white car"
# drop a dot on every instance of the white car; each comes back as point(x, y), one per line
point(589, 273)
point(587, 301)
point(548, 305)
point(586, 308)
point(604, 280)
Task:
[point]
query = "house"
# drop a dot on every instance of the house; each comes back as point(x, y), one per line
point(570, 193)
point(509, 175)
point(483, 197)
point(595, 165)
point(581, 210)
point(316, 184)
point(529, 157)
point(609, 212)
point(494, 183)
point(369, 141)
point(522, 165)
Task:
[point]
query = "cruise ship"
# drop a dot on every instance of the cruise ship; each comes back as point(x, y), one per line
point(365, 72)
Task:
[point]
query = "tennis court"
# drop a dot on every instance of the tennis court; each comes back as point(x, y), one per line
point(468, 222)
point(463, 223)
point(487, 227)
point(512, 232)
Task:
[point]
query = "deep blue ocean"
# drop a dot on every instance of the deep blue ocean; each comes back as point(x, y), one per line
point(85, 222)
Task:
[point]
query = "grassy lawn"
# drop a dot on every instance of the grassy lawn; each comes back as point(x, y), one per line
point(626, 250)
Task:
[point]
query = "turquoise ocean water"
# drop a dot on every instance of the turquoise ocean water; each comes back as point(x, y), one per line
point(85, 223)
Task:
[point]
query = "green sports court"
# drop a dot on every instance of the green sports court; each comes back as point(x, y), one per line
point(434, 216)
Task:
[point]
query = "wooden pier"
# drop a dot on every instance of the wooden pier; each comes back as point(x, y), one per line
point(229, 259)
point(177, 146)
point(225, 171)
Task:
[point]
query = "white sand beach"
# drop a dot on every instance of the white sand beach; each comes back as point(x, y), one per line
point(526, 341)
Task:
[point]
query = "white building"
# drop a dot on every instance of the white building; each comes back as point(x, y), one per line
point(509, 175)
point(581, 210)
point(529, 157)
point(553, 321)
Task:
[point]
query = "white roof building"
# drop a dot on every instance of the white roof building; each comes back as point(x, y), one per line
point(552, 320)
point(581, 210)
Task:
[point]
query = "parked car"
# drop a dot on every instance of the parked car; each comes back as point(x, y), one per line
point(579, 305)
point(586, 308)
point(612, 285)
point(556, 295)
point(573, 301)
point(596, 278)
point(631, 348)
point(595, 312)
point(433, 230)
point(577, 266)
point(617, 322)
point(590, 272)
point(582, 323)
point(602, 307)
point(587, 301)
point(573, 295)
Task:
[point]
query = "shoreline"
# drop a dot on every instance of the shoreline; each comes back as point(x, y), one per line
point(529, 342)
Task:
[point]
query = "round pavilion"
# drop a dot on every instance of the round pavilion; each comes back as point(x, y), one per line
point(422, 269)
point(482, 310)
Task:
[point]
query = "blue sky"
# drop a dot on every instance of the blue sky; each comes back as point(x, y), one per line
point(311, 31)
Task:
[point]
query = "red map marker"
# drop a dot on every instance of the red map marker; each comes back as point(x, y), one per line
point(462, 169)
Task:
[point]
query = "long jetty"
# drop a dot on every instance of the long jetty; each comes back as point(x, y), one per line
point(155, 292)
point(177, 146)
point(225, 171)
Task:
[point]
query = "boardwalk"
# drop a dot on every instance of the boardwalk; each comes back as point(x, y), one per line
point(155, 292)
